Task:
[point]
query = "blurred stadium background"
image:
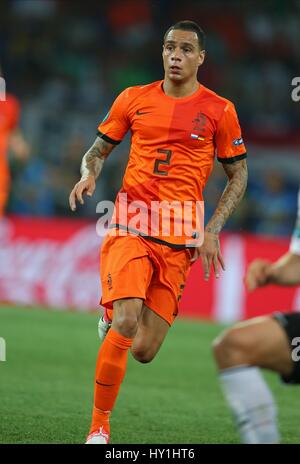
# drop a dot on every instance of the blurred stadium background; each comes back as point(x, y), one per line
point(66, 61)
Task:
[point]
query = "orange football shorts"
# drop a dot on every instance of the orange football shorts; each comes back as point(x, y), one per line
point(134, 267)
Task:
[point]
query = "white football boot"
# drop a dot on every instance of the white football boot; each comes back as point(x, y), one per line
point(104, 325)
point(99, 437)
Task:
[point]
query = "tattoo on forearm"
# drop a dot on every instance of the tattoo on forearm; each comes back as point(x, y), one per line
point(93, 160)
point(234, 191)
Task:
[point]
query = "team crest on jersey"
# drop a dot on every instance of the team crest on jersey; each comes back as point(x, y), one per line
point(199, 122)
point(238, 142)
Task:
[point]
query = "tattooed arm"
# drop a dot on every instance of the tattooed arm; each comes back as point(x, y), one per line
point(93, 160)
point(91, 167)
point(237, 174)
point(209, 251)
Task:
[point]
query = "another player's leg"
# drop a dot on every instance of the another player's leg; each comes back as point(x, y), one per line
point(111, 365)
point(240, 352)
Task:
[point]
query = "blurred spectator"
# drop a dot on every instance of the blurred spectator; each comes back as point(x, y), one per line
point(33, 192)
point(274, 204)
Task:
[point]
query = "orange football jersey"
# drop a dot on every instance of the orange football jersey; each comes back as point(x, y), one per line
point(174, 142)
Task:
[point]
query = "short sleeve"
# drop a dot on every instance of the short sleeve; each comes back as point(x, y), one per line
point(295, 242)
point(116, 123)
point(228, 138)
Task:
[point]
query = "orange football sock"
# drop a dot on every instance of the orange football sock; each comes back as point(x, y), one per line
point(110, 372)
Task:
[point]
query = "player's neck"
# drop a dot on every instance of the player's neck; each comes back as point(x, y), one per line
point(180, 89)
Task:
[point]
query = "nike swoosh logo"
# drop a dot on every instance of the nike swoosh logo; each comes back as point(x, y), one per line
point(139, 113)
point(104, 384)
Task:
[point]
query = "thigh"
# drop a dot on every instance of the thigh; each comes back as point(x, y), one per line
point(266, 344)
point(125, 269)
point(151, 332)
point(290, 324)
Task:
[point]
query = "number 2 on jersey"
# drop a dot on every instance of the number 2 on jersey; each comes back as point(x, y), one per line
point(165, 162)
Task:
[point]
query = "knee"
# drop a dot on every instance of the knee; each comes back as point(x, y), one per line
point(126, 325)
point(126, 315)
point(232, 348)
point(142, 354)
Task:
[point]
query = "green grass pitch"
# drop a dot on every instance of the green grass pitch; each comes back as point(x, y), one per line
point(46, 385)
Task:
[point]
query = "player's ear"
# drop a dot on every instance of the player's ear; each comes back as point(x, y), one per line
point(201, 57)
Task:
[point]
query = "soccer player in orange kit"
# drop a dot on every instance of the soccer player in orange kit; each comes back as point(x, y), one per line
point(178, 126)
point(10, 137)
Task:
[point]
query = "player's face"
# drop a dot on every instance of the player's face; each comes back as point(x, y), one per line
point(182, 55)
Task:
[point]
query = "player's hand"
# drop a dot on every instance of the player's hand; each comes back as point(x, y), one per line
point(210, 255)
point(257, 274)
point(85, 185)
